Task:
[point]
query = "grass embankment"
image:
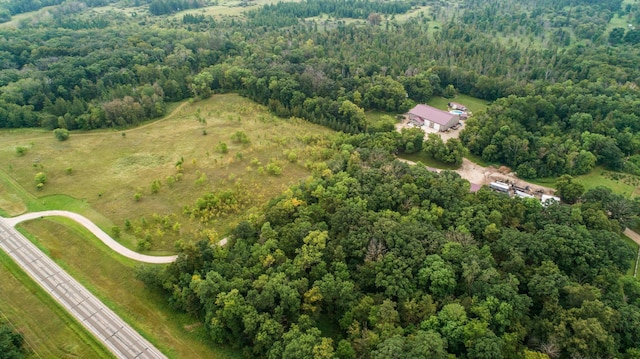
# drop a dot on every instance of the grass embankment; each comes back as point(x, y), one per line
point(100, 173)
point(110, 278)
point(49, 331)
point(633, 247)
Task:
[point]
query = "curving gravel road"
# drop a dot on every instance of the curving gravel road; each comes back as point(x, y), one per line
point(105, 238)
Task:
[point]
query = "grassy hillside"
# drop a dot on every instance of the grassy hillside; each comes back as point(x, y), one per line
point(109, 175)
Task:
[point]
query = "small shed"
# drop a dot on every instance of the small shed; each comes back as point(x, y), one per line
point(431, 117)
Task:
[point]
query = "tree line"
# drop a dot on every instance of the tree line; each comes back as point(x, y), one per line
point(124, 73)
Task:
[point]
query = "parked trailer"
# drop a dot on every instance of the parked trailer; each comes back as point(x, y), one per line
point(546, 199)
point(521, 189)
point(523, 194)
point(498, 186)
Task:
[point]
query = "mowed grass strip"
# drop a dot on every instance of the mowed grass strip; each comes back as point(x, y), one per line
point(100, 173)
point(49, 330)
point(111, 278)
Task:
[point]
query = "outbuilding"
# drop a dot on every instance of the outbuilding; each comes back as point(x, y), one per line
point(431, 117)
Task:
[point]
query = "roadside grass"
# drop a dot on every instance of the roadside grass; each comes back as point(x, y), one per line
point(110, 277)
point(546, 182)
point(479, 161)
point(49, 331)
point(99, 174)
point(12, 197)
point(427, 160)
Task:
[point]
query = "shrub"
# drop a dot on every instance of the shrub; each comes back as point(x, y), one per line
point(273, 168)
point(61, 134)
point(40, 178)
point(21, 150)
point(155, 186)
point(222, 148)
point(202, 179)
point(240, 137)
point(292, 156)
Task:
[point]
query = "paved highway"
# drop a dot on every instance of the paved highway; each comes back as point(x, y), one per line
point(117, 335)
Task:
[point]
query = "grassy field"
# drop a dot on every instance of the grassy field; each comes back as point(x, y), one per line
point(232, 8)
point(99, 174)
point(472, 103)
point(620, 183)
point(16, 19)
point(624, 184)
point(49, 331)
point(110, 278)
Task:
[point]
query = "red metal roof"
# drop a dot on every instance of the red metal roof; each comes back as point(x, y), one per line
point(432, 114)
point(474, 187)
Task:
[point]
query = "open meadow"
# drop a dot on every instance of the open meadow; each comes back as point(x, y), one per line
point(211, 161)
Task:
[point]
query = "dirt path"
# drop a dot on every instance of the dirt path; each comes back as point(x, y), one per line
point(633, 235)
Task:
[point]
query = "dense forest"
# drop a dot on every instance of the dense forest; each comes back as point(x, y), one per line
point(11, 342)
point(373, 258)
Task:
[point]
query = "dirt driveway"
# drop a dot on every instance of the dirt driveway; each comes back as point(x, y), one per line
point(484, 175)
